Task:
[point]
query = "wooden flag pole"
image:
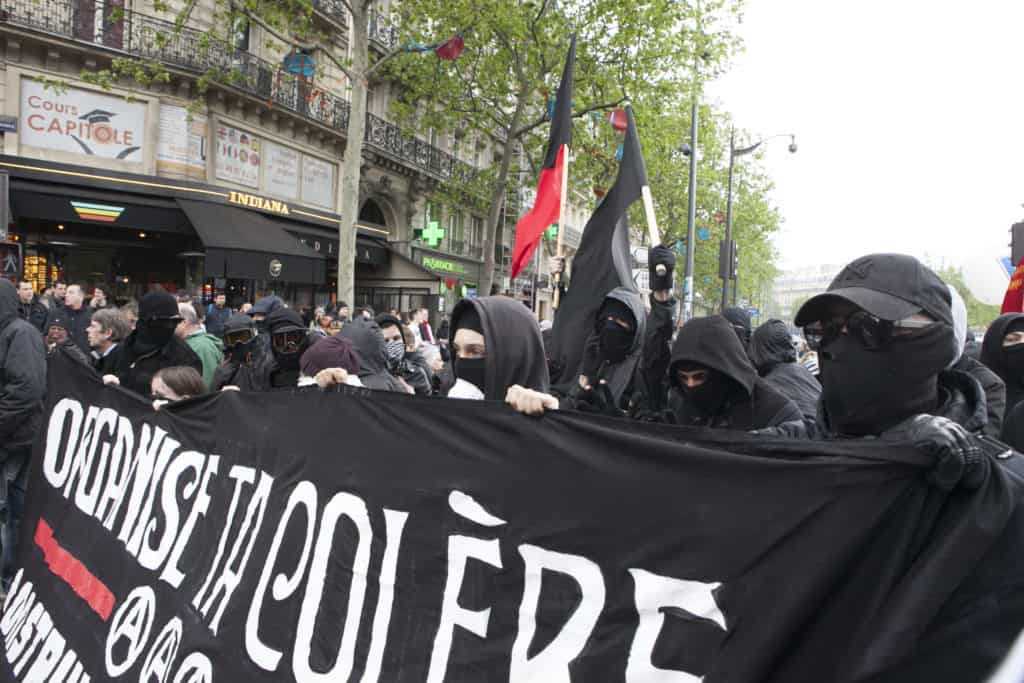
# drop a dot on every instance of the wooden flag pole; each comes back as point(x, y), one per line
point(556, 295)
point(652, 221)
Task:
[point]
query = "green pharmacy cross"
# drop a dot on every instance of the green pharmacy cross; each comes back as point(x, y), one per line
point(433, 234)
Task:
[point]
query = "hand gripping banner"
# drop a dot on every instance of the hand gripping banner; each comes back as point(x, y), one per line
point(356, 536)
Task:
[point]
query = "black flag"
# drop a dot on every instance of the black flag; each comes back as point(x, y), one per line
point(602, 261)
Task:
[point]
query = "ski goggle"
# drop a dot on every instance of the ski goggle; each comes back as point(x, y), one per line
point(871, 331)
point(287, 342)
point(236, 337)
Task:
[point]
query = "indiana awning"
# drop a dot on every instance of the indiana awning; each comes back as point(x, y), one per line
point(247, 245)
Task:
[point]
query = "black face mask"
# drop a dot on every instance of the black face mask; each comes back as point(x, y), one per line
point(867, 391)
point(614, 341)
point(153, 335)
point(472, 370)
point(711, 395)
point(1015, 362)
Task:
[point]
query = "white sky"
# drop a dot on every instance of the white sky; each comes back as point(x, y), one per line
point(909, 116)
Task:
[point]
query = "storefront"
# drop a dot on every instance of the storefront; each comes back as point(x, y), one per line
point(132, 232)
point(460, 278)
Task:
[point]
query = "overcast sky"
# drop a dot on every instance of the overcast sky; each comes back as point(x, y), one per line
point(909, 116)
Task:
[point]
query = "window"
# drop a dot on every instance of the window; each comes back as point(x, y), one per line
point(456, 226)
point(476, 237)
point(240, 34)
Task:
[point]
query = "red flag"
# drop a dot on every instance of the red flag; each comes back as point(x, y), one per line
point(547, 207)
point(1013, 302)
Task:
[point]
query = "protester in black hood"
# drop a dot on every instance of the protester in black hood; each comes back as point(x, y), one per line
point(991, 384)
point(403, 360)
point(495, 344)
point(242, 352)
point(610, 357)
point(649, 396)
point(368, 344)
point(22, 389)
point(739, 318)
point(289, 339)
point(1003, 352)
point(772, 352)
point(152, 345)
point(259, 313)
point(715, 385)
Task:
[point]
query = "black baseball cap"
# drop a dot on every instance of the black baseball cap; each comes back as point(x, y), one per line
point(888, 286)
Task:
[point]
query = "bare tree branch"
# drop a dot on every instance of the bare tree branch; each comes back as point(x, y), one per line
point(582, 112)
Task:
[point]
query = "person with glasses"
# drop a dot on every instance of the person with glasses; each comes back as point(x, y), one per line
point(208, 347)
point(151, 346)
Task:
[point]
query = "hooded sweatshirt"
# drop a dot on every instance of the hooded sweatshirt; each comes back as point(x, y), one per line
point(1007, 363)
point(772, 353)
point(368, 345)
point(22, 374)
point(515, 352)
point(210, 350)
point(993, 386)
point(749, 403)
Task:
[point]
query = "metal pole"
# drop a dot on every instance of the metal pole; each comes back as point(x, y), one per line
point(728, 217)
point(691, 219)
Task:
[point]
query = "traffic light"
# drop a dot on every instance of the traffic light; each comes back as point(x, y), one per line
point(1016, 243)
point(735, 259)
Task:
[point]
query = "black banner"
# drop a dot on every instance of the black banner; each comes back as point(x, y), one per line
point(316, 536)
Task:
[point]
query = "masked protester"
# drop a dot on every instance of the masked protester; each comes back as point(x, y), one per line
point(714, 384)
point(495, 344)
point(289, 339)
point(152, 345)
point(368, 343)
point(650, 388)
point(259, 313)
point(242, 351)
point(402, 359)
point(1002, 351)
point(991, 385)
point(741, 325)
point(774, 356)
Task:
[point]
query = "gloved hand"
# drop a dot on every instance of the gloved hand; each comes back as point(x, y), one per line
point(959, 456)
point(661, 263)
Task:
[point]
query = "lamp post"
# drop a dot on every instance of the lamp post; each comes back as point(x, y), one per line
point(733, 153)
point(691, 218)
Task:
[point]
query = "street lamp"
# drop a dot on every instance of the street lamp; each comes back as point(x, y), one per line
point(733, 153)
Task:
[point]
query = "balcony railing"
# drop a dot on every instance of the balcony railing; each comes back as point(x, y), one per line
point(146, 37)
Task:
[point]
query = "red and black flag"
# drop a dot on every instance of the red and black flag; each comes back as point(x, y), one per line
point(602, 261)
point(547, 207)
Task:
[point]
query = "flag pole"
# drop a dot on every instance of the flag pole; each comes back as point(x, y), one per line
point(652, 221)
point(556, 295)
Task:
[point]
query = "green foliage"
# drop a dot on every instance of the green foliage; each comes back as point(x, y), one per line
point(979, 315)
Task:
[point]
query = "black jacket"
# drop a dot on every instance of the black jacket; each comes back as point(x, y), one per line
point(22, 374)
point(992, 355)
point(77, 323)
point(995, 392)
point(753, 403)
point(105, 364)
point(135, 368)
point(515, 352)
point(772, 353)
point(368, 343)
point(35, 313)
point(416, 374)
point(650, 382)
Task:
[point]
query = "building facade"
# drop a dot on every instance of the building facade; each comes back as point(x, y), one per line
point(229, 189)
point(793, 287)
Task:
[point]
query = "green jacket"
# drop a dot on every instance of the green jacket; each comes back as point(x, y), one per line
point(210, 350)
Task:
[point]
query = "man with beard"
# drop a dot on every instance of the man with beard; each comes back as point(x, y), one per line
point(22, 388)
point(152, 345)
point(242, 351)
point(884, 330)
point(495, 345)
point(773, 354)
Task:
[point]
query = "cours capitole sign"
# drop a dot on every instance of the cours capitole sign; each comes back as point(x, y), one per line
point(81, 122)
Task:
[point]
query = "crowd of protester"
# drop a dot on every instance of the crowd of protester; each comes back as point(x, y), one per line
point(884, 353)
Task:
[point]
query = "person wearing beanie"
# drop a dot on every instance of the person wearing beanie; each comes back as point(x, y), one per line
point(242, 351)
point(152, 345)
point(328, 362)
point(58, 337)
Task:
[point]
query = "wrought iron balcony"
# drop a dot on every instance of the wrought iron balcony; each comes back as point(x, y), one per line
point(125, 32)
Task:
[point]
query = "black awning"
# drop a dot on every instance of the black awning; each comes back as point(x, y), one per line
point(65, 205)
point(247, 245)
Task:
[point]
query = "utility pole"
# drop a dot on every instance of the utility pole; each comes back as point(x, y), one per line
point(691, 219)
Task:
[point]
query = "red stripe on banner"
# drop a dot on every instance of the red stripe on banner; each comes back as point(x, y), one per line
point(545, 211)
point(75, 574)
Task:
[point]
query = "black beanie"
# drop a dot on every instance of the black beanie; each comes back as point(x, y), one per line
point(158, 305)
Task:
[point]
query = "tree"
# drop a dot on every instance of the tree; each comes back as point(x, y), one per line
point(625, 51)
point(293, 25)
point(979, 315)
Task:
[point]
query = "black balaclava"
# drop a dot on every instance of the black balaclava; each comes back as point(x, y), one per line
point(740, 321)
point(867, 391)
point(239, 352)
point(1014, 355)
point(472, 370)
point(710, 396)
point(287, 320)
point(614, 341)
point(150, 335)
